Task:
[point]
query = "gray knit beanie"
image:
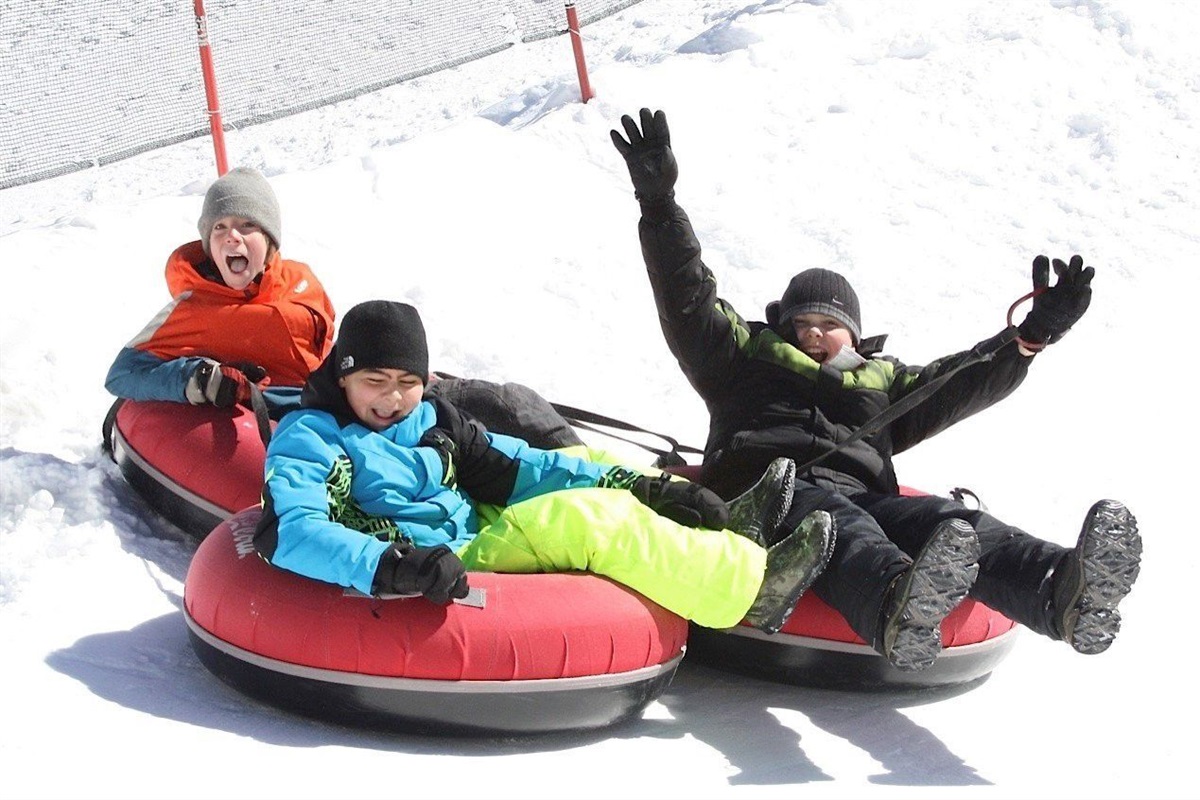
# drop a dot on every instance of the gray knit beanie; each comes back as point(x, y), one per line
point(818, 291)
point(241, 192)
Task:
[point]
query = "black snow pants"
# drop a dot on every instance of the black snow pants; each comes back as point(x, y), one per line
point(878, 536)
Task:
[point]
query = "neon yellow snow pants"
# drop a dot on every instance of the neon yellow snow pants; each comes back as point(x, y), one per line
point(709, 577)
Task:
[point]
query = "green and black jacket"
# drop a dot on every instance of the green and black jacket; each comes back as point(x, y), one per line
point(767, 399)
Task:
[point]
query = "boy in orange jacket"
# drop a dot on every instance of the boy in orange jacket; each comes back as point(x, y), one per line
point(240, 314)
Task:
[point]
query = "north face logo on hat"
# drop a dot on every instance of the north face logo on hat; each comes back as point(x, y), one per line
point(347, 362)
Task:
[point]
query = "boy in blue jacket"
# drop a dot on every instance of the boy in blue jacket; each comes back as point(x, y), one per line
point(806, 385)
point(375, 485)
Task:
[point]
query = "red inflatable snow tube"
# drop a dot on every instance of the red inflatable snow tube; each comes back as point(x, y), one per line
point(817, 647)
point(195, 465)
point(544, 652)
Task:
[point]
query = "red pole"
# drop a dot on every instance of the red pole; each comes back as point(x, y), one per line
point(585, 88)
point(210, 89)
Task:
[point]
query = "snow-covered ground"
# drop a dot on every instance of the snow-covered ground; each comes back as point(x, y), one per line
point(927, 150)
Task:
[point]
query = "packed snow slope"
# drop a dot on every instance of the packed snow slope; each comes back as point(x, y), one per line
point(926, 150)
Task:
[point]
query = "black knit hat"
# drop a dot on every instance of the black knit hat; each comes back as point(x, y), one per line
point(380, 334)
point(818, 291)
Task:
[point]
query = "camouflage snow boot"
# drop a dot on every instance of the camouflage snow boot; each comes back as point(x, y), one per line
point(792, 565)
point(758, 512)
point(910, 637)
point(1095, 576)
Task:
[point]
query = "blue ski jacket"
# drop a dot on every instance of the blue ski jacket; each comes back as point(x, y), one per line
point(330, 480)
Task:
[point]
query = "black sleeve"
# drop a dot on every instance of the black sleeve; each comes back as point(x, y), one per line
point(702, 331)
point(484, 473)
point(967, 392)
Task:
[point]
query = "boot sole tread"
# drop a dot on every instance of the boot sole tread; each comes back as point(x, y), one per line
point(940, 579)
point(1111, 559)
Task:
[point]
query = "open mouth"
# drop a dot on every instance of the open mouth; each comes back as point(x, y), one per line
point(387, 418)
point(237, 264)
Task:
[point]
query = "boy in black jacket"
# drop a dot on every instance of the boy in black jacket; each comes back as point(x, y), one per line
point(804, 383)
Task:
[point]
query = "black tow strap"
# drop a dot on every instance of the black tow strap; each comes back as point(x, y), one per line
point(587, 420)
point(984, 351)
point(106, 428)
point(258, 404)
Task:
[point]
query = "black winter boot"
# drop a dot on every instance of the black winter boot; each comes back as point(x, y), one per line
point(921, 597)
point(1095, 576)
point(792, 566)
point(758, 512)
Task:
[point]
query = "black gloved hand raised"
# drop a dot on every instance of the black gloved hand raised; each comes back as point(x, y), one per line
point(1060, 306)
point(435, 572)
point(652, 165)
point(684, 502)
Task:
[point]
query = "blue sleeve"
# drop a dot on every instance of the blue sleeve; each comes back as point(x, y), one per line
point(302, 456)
point(540, 472)
point(494, 468)
point(138, 375)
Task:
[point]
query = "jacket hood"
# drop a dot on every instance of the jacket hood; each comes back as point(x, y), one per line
point(322, 392)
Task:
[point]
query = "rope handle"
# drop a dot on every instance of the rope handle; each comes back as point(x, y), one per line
point(1031, 348)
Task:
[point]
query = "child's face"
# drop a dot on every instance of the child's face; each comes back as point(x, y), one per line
point(382, 397)
point(239, 247)
point(820, 336)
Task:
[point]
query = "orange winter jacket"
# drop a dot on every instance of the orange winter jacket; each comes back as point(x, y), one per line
point(283, 322)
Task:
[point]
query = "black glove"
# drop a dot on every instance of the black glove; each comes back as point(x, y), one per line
point(224, 385)
point(684, 502)
point(652, 165)
point(432, 571)
point(1060, 306)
